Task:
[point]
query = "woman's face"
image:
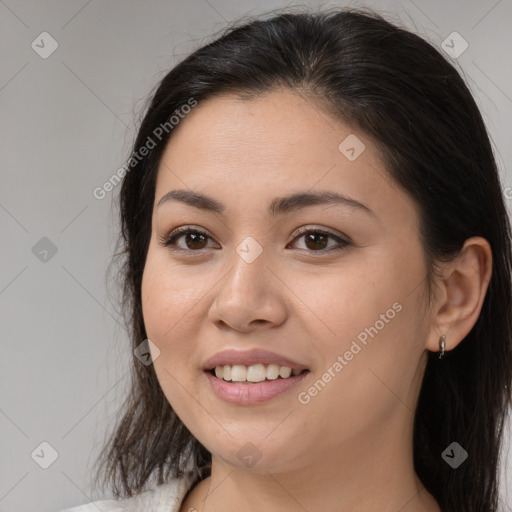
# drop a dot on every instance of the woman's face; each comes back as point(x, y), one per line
point(344, 301)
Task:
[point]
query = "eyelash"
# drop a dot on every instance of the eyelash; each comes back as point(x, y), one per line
point(171, 238)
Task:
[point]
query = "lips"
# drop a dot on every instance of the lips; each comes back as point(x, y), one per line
point(246, 394)
point(251, 357)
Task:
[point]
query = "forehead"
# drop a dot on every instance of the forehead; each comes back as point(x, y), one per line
point(278, 125)
point(272, 145)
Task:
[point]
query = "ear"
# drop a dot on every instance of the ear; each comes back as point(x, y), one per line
point(461, 294)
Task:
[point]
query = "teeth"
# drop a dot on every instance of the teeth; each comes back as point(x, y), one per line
point(272, 371)
point(285, 372)
point(238, 373)
point(253, 373)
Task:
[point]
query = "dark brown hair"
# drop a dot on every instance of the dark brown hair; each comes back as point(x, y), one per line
point(399, 90)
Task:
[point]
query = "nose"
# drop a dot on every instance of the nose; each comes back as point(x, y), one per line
point(250, 296)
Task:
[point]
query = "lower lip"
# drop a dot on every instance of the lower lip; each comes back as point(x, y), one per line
point(246, 394)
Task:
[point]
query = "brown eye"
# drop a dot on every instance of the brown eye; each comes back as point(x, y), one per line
point(316, 240)
point(193, 239)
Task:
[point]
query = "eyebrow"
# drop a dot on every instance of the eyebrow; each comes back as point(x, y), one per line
point(278, 206)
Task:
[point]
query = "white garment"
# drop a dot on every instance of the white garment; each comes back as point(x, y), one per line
point(167, 497)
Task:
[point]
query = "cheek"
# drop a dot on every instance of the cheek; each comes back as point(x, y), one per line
point(170, 306)
point(364, 325)
point(363, 380)
point(171, 297)
point(340, 304)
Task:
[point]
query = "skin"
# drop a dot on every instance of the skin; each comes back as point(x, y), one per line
point(350, 447)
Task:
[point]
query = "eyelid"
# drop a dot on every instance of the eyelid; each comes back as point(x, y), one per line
point(307, 228)
point(340, 238)
point(165, 240)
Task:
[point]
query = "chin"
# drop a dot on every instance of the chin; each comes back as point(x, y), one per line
point(255, 455)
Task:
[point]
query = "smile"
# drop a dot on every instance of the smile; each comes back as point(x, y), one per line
point(245, 385)
point(253, 373)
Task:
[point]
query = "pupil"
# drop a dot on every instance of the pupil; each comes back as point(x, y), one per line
point(192, 238)
point(313, 237)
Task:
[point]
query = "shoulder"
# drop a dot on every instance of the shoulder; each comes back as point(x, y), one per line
point(165, 497)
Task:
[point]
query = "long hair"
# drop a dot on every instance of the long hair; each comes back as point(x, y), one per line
point(398, 89)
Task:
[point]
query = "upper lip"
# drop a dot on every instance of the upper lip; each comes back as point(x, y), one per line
point(250, 357)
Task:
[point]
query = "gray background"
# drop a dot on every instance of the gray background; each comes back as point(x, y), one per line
point(67, 124)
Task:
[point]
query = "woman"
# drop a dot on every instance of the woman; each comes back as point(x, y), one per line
point(317, 276)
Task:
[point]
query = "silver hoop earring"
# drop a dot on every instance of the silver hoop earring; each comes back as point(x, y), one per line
point(442, 340)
